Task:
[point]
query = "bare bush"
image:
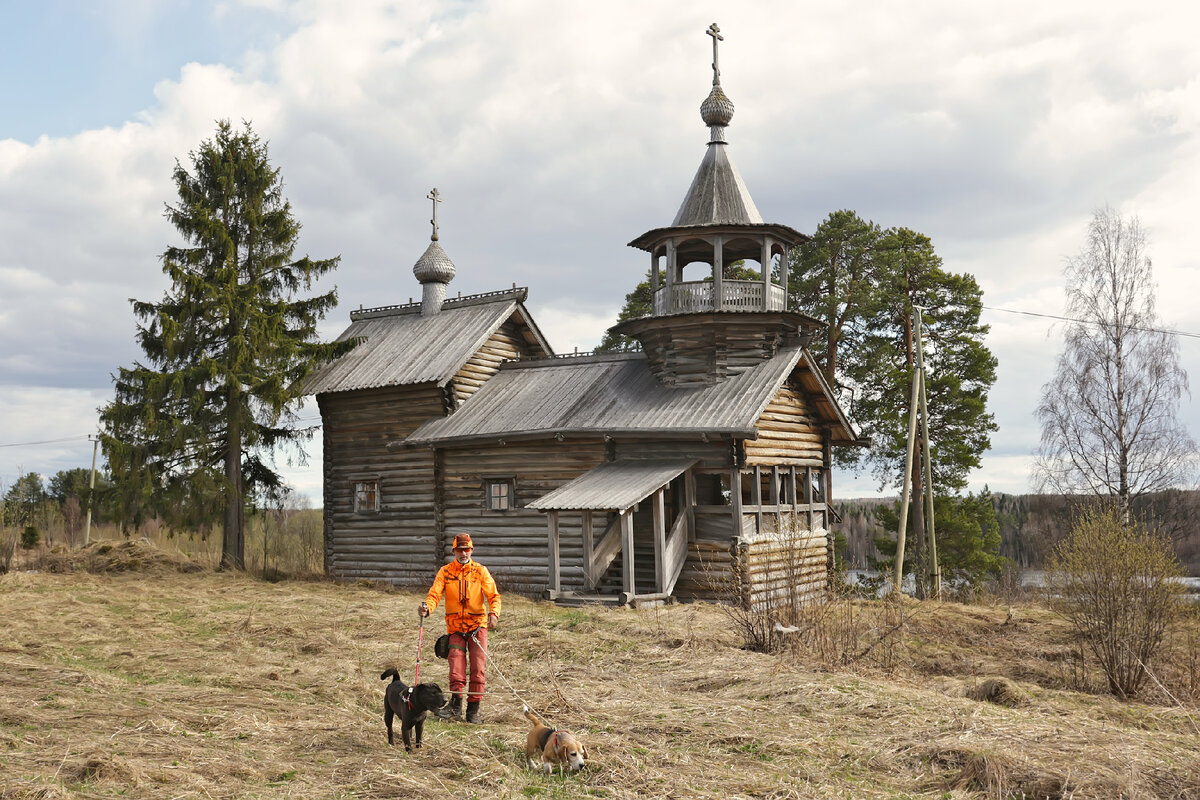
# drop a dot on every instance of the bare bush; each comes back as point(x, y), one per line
point(8, 546)
point(1116, 584)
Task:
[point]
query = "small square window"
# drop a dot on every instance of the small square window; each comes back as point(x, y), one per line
point(499, 494)
point(366, 497)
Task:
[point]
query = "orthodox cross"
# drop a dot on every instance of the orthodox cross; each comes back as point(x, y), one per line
point(715, 32)
point(436, 197)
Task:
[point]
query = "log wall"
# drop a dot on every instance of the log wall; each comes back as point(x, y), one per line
point(506, 344)
point(514, 544)
point(397, 543)
point(788, 433)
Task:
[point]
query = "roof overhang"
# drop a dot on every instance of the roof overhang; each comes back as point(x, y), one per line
point(613, 486)
point(650, 241)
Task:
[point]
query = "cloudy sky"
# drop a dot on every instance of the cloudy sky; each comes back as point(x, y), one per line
point(557, 132)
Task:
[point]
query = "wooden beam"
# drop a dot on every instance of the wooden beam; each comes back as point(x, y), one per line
point(689, 503)
point(756, 496)
point(555, 566)
point(660, 541)
point(627, 552)
point(735, 499)
point(808, 494)
point(589, 580)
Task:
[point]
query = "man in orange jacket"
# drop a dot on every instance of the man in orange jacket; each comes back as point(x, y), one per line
point(466, 584)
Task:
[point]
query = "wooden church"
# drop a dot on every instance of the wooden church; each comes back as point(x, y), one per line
point(698, 463)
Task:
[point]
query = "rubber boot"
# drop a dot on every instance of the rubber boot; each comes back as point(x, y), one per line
point(473, 712)
point(452, 710)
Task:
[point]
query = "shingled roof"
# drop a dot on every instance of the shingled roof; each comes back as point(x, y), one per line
point(613, 394)
point(398, 346)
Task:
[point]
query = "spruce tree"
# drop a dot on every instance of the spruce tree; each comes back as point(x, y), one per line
point(191, 433)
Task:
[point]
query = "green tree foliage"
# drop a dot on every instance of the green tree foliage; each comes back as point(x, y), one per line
point(968, 536)
point(638, 303)
point(26, 502)
point(863, 282)
point(191, 432)
point(1116, 583)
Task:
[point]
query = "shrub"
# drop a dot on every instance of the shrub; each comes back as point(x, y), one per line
point(1116, 584)
point(8, 546)
point(30, 537)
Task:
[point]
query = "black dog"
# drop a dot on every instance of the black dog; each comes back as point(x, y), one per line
point(412, 704)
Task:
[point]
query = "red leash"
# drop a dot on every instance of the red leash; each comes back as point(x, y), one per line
point(420, 636)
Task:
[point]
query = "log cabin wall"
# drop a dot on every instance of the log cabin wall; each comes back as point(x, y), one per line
point(506, 344)
point(395, 543)
point(514, 544)
point(788, 433)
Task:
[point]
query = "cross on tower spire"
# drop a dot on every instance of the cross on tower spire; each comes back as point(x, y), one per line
point(436, 197)
point(715, 32)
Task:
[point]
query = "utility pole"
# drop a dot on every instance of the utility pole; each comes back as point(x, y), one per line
point(87, 531)
point(935, 570)
point(898, 580)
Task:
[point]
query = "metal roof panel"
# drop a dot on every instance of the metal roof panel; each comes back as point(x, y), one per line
point(614, 485)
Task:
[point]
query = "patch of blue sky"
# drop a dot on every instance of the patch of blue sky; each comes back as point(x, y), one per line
point(73, 65)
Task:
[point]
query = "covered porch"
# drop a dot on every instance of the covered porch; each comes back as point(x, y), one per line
point(607, 498)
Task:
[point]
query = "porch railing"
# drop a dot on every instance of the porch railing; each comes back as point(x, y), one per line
point(695, 296)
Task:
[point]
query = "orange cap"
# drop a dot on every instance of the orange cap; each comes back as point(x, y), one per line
point(463, 542)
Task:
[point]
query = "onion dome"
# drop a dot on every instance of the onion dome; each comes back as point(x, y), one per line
point(434, 265)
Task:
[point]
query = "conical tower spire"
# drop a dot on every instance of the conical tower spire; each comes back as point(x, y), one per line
point(433, 269)
point(718, 195)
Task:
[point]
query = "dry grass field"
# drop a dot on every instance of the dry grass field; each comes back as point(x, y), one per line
point(148, 677)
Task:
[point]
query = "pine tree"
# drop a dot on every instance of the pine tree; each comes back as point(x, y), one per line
point(191, 432)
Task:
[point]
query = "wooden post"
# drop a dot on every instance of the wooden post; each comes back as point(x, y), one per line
point(935, 568)
point(660, 541)
point(87, 531)
point(756, 496)
point(671, 277)
point(689, 502)
point(766, 273)
point(783, 274)
point(906, 490)
point(718, 287)
point(627, 576)
point(735, 498)
point(808, 495)
point(589, 580)
point(555, 572)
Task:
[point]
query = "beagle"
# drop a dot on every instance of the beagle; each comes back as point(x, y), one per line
point(555, 746)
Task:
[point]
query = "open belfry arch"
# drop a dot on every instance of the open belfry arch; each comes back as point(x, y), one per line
point(699, 463)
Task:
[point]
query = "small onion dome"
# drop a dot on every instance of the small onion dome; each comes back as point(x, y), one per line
point(434, 266)
point(717, 109)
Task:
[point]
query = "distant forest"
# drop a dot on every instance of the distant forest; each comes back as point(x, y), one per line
point(1031, 524)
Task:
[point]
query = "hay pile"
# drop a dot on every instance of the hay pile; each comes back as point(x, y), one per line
point(107, 557)
point(164, 684)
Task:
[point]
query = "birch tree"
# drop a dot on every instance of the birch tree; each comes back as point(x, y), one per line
point(1109, 416)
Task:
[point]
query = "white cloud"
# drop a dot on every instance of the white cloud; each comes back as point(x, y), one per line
point(558, 132)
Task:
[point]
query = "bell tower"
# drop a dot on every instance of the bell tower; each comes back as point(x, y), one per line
point(706, 325)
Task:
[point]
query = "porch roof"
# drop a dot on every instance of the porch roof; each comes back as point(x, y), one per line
point(613, 486)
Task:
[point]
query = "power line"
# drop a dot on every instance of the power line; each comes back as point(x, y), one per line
point(1093, 322)
point(47, 441)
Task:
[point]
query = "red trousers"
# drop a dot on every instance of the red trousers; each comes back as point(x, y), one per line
point(461, 647)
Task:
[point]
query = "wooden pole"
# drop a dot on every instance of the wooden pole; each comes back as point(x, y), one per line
point(627, 575)
point(555, 563)
point(935, 569)
point(906, 493)
point(87, 531)
point(658, 514)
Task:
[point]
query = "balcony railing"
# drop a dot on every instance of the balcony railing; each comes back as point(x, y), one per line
point(695, 296)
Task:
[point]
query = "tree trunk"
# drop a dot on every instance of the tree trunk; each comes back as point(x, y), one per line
point(233, 541)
